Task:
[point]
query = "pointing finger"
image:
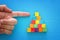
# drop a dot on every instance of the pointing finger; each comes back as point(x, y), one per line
point(17, 13)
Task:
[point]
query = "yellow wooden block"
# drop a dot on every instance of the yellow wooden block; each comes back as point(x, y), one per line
point(36, 13)
point(38, 17)
point(37, 21)
point(28, 29)
point(31, 25)
point(43, 25)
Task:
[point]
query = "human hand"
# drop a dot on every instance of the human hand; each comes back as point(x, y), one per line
point(7, 21)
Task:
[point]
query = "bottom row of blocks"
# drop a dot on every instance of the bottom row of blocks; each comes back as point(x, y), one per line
point(36, 30)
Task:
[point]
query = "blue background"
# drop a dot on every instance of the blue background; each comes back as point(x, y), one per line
point(49, 11)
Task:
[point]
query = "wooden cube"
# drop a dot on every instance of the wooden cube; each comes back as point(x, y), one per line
point(32, 29)
point(39, 25)
point(36, 13)
point(38, 17)
point(35, 25)
point(37, 22)
point(45, 30)
point(36, 30)
point(43, 25)
point(31, 25)
point(33, 22)
point(40, 29)
point(28, 29)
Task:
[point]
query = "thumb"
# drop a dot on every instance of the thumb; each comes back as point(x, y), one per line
point(18, 13)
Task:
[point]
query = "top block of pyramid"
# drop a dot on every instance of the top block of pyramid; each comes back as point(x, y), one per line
point(36, 13)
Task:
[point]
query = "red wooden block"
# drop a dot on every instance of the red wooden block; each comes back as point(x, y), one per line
point(39, 25)
point(32, 29)
point(33, 22)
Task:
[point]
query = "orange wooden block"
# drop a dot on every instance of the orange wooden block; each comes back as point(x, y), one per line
point(40, 29)
point(31, 25)
point(38, 17)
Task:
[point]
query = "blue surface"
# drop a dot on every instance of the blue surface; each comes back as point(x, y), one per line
point(49, 11)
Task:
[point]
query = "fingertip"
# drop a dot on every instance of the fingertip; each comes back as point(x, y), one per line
point(18, 13)
point(27, 14)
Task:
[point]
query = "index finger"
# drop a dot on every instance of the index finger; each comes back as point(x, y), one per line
point(18, 13)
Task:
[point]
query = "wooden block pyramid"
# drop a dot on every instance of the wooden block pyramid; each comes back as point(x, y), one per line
point(35, 25)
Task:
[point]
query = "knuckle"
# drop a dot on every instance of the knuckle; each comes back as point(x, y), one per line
point(2, 5)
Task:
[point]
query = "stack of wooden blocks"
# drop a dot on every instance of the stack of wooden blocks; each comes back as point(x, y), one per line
point(35, 25)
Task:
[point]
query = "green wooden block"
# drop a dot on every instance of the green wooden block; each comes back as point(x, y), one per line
point(35, 26)
point(45, 30)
